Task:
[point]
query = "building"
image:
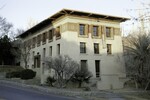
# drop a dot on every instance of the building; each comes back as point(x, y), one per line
point(93, 40)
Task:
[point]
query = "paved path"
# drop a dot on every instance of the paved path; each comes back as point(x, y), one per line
point(13, 92)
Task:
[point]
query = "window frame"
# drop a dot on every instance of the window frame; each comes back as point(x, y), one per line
point(95, 31)
point(58, 49)
point(86, 65)
point(57, 33)
point(96, 51)
point(50, 35)
point(97, 68)
point(108, 32)
point(109, 49)
point(82, 29)
point(82, 47)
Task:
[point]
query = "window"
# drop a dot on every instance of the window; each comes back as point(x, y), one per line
point(96, 48)
point(83, 64)
point(82, 47)
point(97, 68)
point(58, 33)
point(38, 40)
point(109, 49)
point(95, 30)
point(50, 35)
point(34, 41)
point(44, 38)
point(43, 68)
point(44, 52)
point(50, 51)
point(33, 55)
point(82, 29)
point(38, 60)
point(58, 49)
point(108, 32)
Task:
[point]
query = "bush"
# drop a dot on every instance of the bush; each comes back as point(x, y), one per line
point(81, 76)
point(16, 74)
point(87, 89)
point(27, 74)
point(50, 80)
point(8, 75)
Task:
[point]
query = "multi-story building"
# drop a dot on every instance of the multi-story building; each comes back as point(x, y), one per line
point(93, 40)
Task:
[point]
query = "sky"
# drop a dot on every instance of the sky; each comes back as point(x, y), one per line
point(20, 12)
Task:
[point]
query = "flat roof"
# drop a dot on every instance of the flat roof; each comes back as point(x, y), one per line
point(62, 12)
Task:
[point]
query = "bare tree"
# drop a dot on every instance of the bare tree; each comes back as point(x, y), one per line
point(5, 27)
point(25, 52)
point(31, 23)
point(64, 68)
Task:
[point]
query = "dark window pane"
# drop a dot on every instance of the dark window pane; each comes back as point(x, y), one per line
point(109, 49)
point(96, 48)
point(83, 64)
point(108, 32)
point(82, 47)
point(95, 30)
point(82, 29)
point(97, 68)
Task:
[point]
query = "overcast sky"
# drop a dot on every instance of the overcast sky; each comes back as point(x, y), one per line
point(19, 12)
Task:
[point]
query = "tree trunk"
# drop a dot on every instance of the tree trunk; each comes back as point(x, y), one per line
point(25, 65)
point(2, 62)
point(147, 85)
point(136, 84)
point(80, 83)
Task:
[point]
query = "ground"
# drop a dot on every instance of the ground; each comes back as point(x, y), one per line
point(121, 94)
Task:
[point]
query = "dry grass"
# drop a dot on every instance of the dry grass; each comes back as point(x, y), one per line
point(10, 68)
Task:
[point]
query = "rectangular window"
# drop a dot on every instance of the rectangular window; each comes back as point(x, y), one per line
point(50, 51)
point(33, 55)
point(58, 49)
point(95, 30)
point(96, 48)
point(38, 40)
point(83, 64)
point(108, 32)
point(97, 68)
point(57, 32)
point(38, 61)
point(44, 38)
point(50, 35)
point(43, 68)
point(34, 42)
point(109, 50)
point(82, 29)
point(82, 47)
point(44, 52)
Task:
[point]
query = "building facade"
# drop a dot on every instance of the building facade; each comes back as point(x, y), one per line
point(93, 40)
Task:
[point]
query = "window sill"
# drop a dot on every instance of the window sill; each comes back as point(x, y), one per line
point(50, 40)
point(33, 46)
point(98, 78)
point(83, 54)
point(83, 36)
point(58, 37)
point(110, 38)
point(38, 45)
point(44, 43)
point(96, 37)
